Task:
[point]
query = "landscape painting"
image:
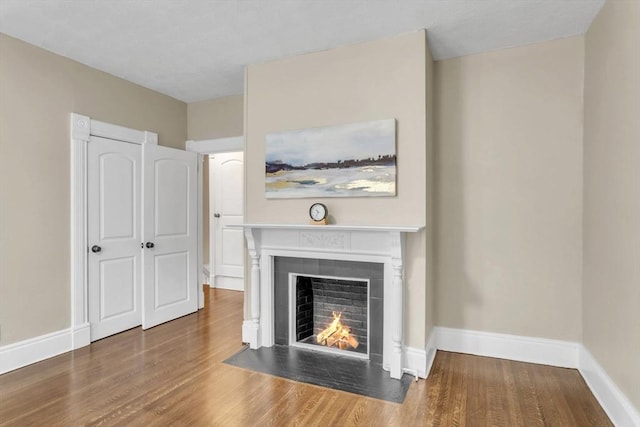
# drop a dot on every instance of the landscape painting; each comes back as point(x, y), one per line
point(354, 160)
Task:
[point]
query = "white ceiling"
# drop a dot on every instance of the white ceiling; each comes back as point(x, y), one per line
point(196, 49)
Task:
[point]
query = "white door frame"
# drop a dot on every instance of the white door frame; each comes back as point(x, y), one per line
point(206, 147)
point(82, 128)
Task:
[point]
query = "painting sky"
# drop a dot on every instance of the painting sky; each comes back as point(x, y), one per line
point(332, 143)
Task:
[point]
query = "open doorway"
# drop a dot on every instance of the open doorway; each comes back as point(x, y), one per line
point(206, 148)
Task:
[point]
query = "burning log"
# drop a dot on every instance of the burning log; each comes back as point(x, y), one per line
point(336, 334)
point(352, 341)
point(329, 331)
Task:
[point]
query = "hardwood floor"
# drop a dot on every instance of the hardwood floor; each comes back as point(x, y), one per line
point(173, 375)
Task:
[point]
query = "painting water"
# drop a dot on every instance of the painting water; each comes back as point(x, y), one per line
point(354, 160)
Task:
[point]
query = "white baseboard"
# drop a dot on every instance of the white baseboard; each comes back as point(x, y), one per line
point(614, 402)
point(81, 336)
point(513, 347)
point(230, 283)
point(415, 362)
point(430, 350)
point(23, 353)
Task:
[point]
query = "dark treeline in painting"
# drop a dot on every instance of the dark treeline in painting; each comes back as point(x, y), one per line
point(381, 160)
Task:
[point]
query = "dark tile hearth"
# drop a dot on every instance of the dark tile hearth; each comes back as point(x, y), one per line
point(337, 372)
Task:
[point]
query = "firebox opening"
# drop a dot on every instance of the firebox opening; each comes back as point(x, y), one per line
point(331, 314)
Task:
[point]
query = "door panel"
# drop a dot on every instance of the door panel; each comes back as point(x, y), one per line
point(171, 191)
point(228, 209)
point(170, 212)
point(170, 269)
point(113, 222)
point(117, 287)
point(117, 184)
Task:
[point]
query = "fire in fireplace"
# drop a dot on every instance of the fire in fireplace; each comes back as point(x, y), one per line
point(336, 334)
point(330, 314)
point(297, 322)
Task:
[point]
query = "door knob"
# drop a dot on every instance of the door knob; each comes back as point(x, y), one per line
point(216, 215)
point(96, 249)
point(150, 245)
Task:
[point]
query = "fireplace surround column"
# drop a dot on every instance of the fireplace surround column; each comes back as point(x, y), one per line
point(252, 328)
point(397, 302)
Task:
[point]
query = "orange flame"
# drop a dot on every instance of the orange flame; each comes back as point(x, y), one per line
point(336, 334)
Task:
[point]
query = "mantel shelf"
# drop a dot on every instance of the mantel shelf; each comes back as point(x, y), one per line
point(332, 227)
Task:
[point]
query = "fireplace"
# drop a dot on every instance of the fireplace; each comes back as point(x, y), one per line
point(354, 253)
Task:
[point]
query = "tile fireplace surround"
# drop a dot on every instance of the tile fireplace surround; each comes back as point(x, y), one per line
point(383, 244)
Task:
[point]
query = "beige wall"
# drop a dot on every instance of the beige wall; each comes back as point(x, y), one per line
point(611, 312)
point(216, 118)
point(368, 81)
point(509, 190)
point(38, 90)
point(211, 119)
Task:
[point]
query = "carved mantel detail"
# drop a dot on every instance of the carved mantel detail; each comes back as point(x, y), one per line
point(322, 240)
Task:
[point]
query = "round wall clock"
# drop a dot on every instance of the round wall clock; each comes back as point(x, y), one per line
point(318, 213)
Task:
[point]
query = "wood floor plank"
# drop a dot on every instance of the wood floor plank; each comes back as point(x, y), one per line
point(174, 374)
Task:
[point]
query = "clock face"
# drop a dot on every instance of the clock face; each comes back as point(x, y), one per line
point(318, 211)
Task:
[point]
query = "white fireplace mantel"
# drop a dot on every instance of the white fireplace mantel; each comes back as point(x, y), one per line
point(382, 244)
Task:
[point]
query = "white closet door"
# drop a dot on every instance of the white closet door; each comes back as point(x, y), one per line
point(114, 236)
point(170, 234)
